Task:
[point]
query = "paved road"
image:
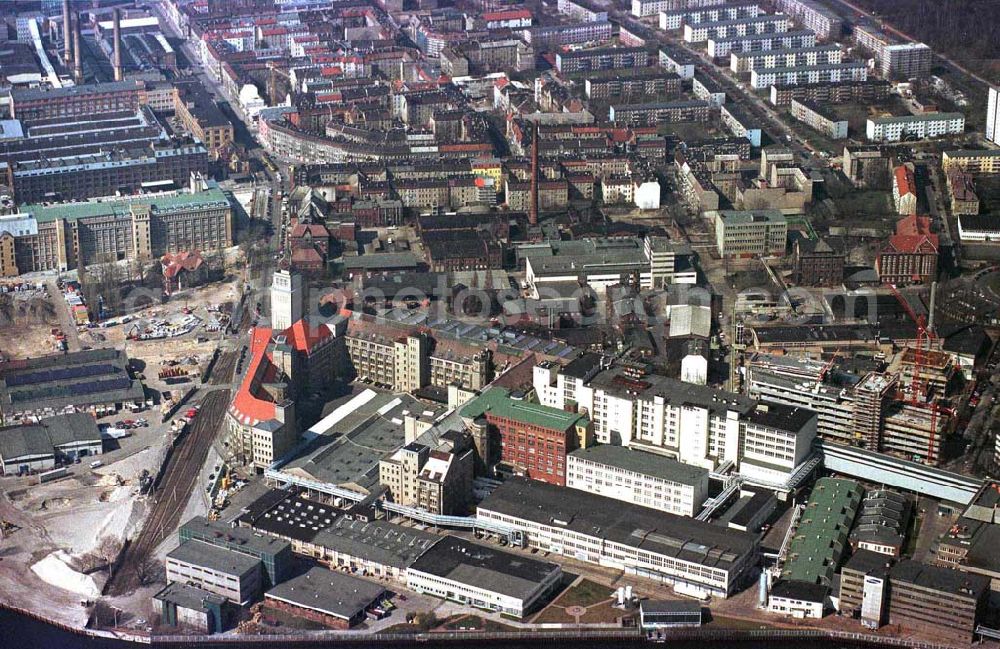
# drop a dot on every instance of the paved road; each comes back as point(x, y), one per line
point(66, 322)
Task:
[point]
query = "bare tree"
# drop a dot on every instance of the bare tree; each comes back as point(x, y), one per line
point(108, 550)
point(149, 571)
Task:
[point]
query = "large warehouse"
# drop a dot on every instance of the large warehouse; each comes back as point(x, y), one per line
point(95, 381)
point(38, 447)
point(699, 556)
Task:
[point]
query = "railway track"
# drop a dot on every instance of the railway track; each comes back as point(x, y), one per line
point(222, 373)
point(179, 480)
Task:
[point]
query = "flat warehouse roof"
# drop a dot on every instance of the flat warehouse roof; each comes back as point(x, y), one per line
point(642, 462)
point(328, 591)
point(588, 514)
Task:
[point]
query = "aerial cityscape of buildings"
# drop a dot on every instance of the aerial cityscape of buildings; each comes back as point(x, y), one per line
point(617, 318)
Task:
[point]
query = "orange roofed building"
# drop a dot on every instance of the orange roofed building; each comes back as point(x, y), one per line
point(261, 418)
point(911, 255)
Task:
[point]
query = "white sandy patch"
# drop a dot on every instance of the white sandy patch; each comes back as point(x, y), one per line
point(54, 570)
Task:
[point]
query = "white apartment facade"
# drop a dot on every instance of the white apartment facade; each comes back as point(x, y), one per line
point(785, 58)
point(724, 46)
point(763, 24)
point(930, 125)
point(808, 74)
point(673, 20)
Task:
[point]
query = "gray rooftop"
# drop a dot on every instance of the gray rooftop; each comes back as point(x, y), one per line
point(591, 515)
point(328, 591)
point(214, 558)
point(42, 438)
point(485, 566)
point(939, 578)
point(642, 462)
point(379, 541)
point(674, 392)
point(189, 597)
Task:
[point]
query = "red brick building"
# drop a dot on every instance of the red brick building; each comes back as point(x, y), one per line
point(534, 439)
point(911, 255)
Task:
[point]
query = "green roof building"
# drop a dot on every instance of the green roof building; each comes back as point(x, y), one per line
point(821, 535)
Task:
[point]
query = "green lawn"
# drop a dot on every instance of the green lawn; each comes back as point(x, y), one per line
point(586, 593)
point(473, 623)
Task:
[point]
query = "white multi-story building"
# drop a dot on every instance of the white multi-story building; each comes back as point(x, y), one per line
point(813, 15)
point(693, 424)
point(724, 46)
point(286, 299)
point(671, 20)
point(805, 74)
point(775, 441)
point(701, 557)
point(677, 61)
point(643, 8)
point(928, 125)
point(764, 24)
point(638, 477)
point(785, 58)
point(751, 232)
point(236, 576)
point(993, 115)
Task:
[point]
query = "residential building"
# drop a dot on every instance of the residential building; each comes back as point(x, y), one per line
point(602, 58)
point(643, 8)
point(993, 115)
point(649, 82)
point(867, 167)
point(761, 24)
point(638, 477)
point(817, 263)
point(704, 88)
point(906, 61)
point(814, 116)
point(582, 10)
point(740, 123)
point(484, 577)
point(870, 91)
point(677, 61)
point(697, 556)
point(927, 125)
point(904, 190)
point(554, 36)
point(986, 161)
point(677, 18)
point(962, 191)
point(911, 255)
point(751, 232)
point(808, 74)
point(534, 438)
point(813, 15)
point(691, 110)
point(723, 46)
point(740, 62)
point(233, 575)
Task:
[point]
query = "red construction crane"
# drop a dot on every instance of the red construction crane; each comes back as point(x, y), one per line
point(919, 391)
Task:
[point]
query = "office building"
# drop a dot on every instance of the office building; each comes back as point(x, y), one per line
point(937, 599)
point(808, 74)
point(534, 438)
point(814, 116)
point(275, 554)
point(638, 477)
point(723, 46)
point(813, 15)
point(775, 441)
point(692, 110)
point(911, 255)
point(752, 232)
point(700, 557)
point(484, 577)
point(864, 588)
point(920, 127)
point(993, 115)
point(233, 575)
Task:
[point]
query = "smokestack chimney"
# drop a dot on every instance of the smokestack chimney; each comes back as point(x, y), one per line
point(67, 35)
point(118, 44)
point(930, 317)
point(533, 207)
point(77, 59)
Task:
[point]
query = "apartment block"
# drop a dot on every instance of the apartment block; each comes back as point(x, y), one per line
point(651, 114)
point(986, 161)
point(740, 123)
point(928, 125)
point(547, 38)
point(993, 115)
point(814, 116)
point(762, 24)
point(826, 73)
point(582, 10)
point(811, 14)
point(678, 61)
point(609, 58)
point(863, 92)
point(723, 46)
point(638, 477)
point(643, 8)
point(643, 83)
point(673, 20)
point(785, 58)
